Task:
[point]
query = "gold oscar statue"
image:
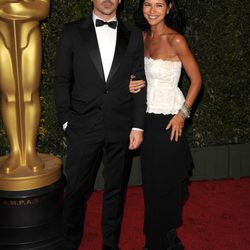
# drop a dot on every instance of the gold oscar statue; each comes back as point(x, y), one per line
point(20, 70)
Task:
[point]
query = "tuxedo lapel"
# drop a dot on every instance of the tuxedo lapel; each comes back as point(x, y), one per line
point(120, 50)
point(88, 34)
point(89, 38)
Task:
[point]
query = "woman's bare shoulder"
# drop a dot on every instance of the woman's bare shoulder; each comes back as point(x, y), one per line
point(176, 39)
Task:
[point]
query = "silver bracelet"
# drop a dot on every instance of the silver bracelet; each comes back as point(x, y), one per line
point(184, 111)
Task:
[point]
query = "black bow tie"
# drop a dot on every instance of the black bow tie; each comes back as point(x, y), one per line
point(111, 24)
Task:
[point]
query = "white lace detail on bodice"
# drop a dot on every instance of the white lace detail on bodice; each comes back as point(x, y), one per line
point(163, 93)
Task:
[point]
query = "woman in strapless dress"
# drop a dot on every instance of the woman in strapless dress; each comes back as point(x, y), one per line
point(165, 155)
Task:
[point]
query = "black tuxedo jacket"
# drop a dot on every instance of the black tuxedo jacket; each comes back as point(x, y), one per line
point(82, 96)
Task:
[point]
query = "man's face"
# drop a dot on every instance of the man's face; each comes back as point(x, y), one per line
point(105, 9)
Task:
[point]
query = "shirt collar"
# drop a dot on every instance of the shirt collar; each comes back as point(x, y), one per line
point(114, 18)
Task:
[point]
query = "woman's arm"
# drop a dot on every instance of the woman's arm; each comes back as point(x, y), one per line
point(190, 65)
point(135, 86)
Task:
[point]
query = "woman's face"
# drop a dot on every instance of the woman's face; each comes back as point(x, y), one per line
point(155, 11)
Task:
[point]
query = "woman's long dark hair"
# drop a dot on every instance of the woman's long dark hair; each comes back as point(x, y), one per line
point(174, 20)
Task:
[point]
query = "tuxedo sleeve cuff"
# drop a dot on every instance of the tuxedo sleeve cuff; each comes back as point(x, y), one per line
point(138, 129)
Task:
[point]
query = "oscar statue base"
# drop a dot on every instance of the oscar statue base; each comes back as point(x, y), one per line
point(31, 220)
point(23, 178)
point(31, 206)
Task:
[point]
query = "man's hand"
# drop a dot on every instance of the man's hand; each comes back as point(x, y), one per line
point(136, 138)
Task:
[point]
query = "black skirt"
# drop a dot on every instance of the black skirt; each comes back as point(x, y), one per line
point(166, 168)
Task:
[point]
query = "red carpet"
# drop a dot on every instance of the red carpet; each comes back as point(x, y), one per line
point(216, 217)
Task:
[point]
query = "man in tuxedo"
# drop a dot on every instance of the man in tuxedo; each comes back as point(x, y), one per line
point(102, 119)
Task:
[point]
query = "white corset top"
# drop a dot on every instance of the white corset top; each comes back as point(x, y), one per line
point(163, 93)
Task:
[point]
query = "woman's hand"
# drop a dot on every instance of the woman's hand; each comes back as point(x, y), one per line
point(177, 123)
point(135, 86)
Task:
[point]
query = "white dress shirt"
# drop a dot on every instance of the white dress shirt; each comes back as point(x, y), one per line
point(106, 38)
